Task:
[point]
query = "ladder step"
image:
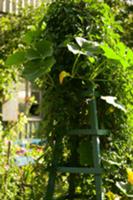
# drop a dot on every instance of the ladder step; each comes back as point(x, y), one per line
point(93, 132)
point(77, 170)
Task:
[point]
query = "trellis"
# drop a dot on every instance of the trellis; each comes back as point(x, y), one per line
point(96, 170)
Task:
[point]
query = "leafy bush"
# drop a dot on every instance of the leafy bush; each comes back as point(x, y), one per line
point(69, 52)
point(15, 182)
point(20, 167)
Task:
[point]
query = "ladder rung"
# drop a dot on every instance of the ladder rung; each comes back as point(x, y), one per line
point(93, 132)
point(84, 170)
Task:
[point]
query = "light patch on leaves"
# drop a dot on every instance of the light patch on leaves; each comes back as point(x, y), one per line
point(111, 100)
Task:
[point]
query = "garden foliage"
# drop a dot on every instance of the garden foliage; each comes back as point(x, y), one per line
point(15, 182)
point(76, 46)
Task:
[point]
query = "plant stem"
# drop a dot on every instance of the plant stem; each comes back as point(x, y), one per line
point(74, 65)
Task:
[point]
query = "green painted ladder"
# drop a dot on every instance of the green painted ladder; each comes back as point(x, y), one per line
point(95, 132)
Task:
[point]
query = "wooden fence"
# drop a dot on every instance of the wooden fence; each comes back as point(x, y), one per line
point(13, 6)
point(31, 128)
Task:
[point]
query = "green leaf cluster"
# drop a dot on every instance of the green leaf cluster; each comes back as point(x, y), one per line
point(12, 30)
point(37, 59)
point(88, 47)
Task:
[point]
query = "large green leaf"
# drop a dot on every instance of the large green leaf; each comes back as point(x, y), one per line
point(74, 49)
point(88, 47)
point(129, 56)
point(16, 59)
point(48, 63)
point(32, 70)
point(81, 41)
point(36, 68)
point(32, 54)
point(85, 151)
point(111, 100)
point(32, 75)
point(32, 65)
point(109, 52)
point(84, 47)
point(30, 36)
point(44, 48)
point(121, 54)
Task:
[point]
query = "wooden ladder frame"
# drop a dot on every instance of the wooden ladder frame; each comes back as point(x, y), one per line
point(95, 132)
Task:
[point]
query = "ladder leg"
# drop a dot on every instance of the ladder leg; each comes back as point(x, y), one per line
point(71, 190)
point(53, 171)
point(73, 162)
point(96, 158)
point(96, 149)
point(51, 185)
point(98, 181)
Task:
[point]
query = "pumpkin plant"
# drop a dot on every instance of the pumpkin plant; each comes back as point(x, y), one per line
point(76, 46)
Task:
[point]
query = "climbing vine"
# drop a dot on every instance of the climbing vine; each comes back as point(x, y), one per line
point(75, 46)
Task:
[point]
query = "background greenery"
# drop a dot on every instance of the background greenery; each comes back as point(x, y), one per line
point(64, 68)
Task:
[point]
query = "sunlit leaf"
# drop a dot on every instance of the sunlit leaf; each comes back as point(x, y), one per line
point(88, 47)
point(111, 162)
point(129, 56)
point(122, 48)
point(124, 63)
point(91, 59)
point(83, 42)
point(30, 36)
point(80, 41)
point(111, 100)
point(109, 53)
point(121, 54)
point(74, 49)
point(125, 188)
point(110, 195)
